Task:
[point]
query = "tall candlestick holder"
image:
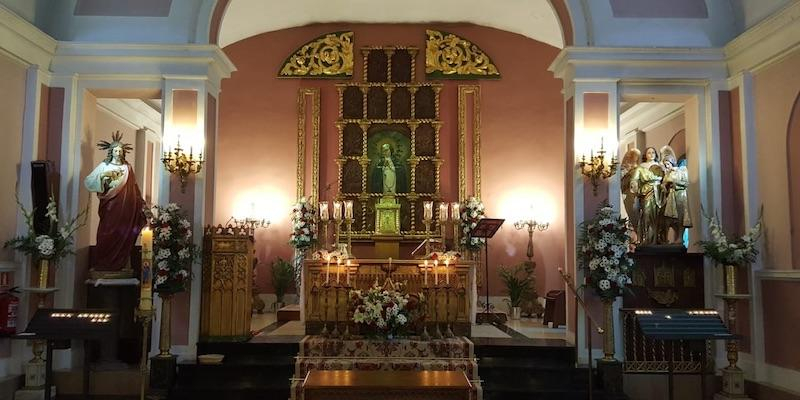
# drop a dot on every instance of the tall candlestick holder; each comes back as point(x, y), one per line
point(338, 224)
point(448, 332)
point(426, 292)
point(335, 333)
point(427, 223)
point(325, 289)
point(349, 223)
point(437, 334)
point(324, 225)
point(347, 287)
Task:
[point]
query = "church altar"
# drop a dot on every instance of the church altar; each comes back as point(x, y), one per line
point(408, 354)
point(450, 292)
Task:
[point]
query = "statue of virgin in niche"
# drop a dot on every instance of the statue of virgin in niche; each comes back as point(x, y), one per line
point(121, 208)
point(388, 173)
point(646, 183)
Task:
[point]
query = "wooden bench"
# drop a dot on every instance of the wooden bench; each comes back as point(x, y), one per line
point(386, 385)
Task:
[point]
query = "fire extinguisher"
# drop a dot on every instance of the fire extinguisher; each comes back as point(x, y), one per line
point(8, 311)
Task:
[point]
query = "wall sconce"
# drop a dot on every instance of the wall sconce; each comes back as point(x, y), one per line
point(531, 225)
point(596, 168)
point(247, 225)
point(178, 162)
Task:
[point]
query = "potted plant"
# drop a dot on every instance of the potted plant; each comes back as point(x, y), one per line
point(519, 286)
point(282, 277)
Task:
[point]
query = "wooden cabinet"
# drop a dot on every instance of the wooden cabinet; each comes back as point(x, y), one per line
point(227, 282)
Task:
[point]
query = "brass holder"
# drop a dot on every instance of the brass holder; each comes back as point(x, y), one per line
point(349, 222)
point(596, 169)
point(425, 335)
point(608, 330)
point(427, 236)
point(165, 336)
point(448, 332)
point(335, 334)
point(346, 335)
point(456, 229)
point(178, 162)
point(146, 316)
point(325, 333)
point(324, 233)
point(732, 375)
point(531, 226)
point(443, 229)
point(438, 333)
point(337, 239)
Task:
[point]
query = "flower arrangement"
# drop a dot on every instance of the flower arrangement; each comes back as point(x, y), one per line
point(304, 225)
point(604, 252)
point(56, 243)
point(173, 248)
point(739, 251)
point(386, 311)
point(472, 211)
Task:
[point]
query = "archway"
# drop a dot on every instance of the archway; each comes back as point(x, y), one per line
point(792, 150)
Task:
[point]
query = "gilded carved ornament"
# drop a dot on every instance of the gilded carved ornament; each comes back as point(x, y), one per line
point(328, 56)
point(448, 56)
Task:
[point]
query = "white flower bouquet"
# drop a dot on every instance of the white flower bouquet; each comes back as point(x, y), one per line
point(384, 311)
point(304, 225)
point(173, 248)
point(726, 251)
point(603, 252)
point(55, 241)
point(472, 211)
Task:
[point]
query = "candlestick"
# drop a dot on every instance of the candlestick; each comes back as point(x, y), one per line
point(435, 272)
point(425, 268)
point(323, 211)
point(338, 269)
point(337, 210)
point(348, 209)
point(447, 271)
point(443, 207)
point(328, 271)
point(348, 272)
point(427, 210)
point(146, 286)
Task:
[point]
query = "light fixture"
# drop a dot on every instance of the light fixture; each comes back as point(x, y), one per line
point(247, 225)
point(596, 168)
point(176, 161)
point(532, 225)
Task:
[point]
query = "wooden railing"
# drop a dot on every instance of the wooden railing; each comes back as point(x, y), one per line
point(644, 355)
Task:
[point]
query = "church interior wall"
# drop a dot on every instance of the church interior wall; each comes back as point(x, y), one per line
point(661, 134)
point(774, 99)
point(12, 103)
point(521, 134)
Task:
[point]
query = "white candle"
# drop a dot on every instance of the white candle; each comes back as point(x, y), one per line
point(328, 270)
point(447, 271)
point(443, 212)
point(455, 211)
point(337, 210)
point(427, 210)
point(435, 272)
point(338, 268)
point(348, 209)
point(146, 288)
point(323, 211)
point(425, 268)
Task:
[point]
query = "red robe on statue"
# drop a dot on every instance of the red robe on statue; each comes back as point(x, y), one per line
point(122, 218)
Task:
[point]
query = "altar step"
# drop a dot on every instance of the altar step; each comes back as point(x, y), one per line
point(530, 369)
point(249, 371)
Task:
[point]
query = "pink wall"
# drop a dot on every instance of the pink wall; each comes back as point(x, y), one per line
point(661, 135)
point(793, 149)
point(12, 104)
point(522, 122)
point(781, 314)
point(774, 97)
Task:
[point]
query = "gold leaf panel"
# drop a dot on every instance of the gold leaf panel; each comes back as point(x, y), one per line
point(328, 56)
point(448, 56)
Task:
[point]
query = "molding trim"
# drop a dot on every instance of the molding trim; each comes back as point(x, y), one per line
point(645, 116)
point(781, 378)
point(779, 274)
point(24, 41)
point(766, 42)
point(663, 64)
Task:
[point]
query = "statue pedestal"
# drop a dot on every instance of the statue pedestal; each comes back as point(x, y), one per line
point(387, 216)
point(732, 385)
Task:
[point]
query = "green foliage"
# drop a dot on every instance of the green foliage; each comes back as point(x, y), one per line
point(519, 283)
point(282, 277)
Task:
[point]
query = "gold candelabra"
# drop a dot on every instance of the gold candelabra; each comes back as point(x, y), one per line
point(595, 168)
point(178, 162)
point(532, 225)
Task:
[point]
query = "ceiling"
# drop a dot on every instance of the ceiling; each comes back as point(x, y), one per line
point(535, 19)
